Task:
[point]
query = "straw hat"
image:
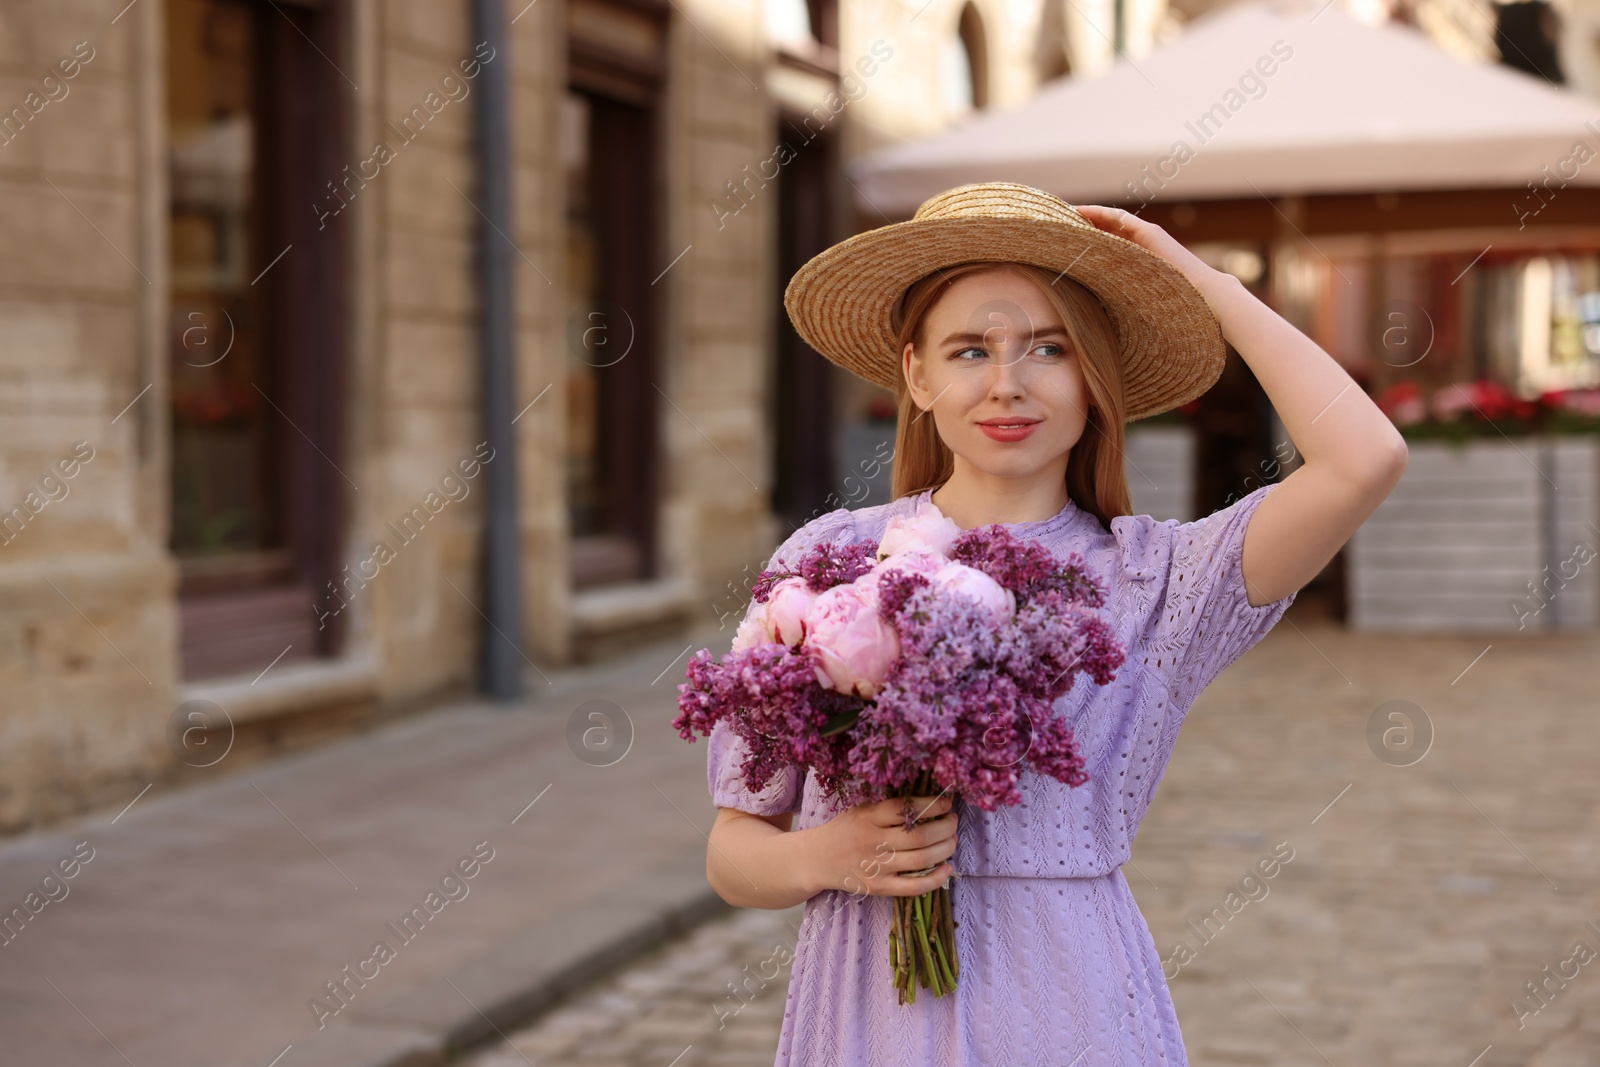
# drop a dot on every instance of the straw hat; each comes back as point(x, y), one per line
point(842, 300)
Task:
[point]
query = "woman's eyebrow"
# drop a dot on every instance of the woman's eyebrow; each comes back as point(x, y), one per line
point(976, 338)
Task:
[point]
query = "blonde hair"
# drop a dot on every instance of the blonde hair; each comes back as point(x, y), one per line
point(1096, 480)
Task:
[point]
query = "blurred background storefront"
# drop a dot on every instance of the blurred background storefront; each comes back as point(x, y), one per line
point(242, 473)
point(1431, 224)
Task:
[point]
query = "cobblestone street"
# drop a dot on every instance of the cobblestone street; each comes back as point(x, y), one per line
point(1443, 865)
point(675, 998)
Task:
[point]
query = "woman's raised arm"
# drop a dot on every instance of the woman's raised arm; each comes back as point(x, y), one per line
point(1353, 455)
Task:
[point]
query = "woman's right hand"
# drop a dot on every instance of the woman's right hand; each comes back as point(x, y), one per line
point(864, 849)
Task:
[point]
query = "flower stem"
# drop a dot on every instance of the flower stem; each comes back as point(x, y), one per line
point(913, 979)
point(946, 971)
point(894, 959)
point(922, 943)
point(950, 929)
point(924, 947)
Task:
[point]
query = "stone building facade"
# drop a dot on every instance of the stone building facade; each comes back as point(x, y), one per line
point(241, 492)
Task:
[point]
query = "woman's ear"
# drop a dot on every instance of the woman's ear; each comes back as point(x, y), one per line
point(916, 382)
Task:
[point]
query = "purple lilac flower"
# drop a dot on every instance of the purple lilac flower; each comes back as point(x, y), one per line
point(1027, 568)
point(822, 567)
point(974, 701)
point(769, 695)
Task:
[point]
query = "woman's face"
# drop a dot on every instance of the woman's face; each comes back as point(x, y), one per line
point(1000, 374)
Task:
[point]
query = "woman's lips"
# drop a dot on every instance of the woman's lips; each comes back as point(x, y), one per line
point(1008, 433)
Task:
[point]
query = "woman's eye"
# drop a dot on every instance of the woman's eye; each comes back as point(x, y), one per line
point(962, 352)
point(1049, 350)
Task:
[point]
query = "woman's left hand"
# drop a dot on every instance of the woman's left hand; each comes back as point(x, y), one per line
point(1153, 239)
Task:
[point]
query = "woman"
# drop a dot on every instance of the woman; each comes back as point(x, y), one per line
point(1031, 332)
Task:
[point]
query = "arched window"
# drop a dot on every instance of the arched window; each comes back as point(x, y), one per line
point(966, 67)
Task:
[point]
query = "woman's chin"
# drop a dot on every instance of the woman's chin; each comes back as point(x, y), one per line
point(1006, 461)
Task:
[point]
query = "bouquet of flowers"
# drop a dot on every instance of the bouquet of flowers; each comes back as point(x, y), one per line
point(923, 663)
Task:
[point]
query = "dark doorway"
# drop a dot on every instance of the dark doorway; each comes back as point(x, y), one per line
point(611, 402)
point(802, 396)
point(611, 145)
point(1233, 426)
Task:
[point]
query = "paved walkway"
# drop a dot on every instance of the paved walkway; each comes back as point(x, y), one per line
point(1429, 880)
point(197, 926)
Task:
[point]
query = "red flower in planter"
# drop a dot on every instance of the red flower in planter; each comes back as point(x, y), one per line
point(1483, 400)
point(1577, 401)
point(881, 409)
point(1403, 403)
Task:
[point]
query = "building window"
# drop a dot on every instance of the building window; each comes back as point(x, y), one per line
point(1527, 35)
point(965, 72)
point(788, 22)
point(801, 26)
point(225, 472)
point(1543, 326)
point(1051, 55)
point(1526, 318)
point(255, 343)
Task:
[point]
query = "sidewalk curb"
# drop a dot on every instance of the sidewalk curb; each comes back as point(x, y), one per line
point(527, 975)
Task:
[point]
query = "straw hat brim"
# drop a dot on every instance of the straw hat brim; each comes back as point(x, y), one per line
point(842, 301)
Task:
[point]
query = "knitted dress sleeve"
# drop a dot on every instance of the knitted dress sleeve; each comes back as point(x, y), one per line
point(1204, 619)
point(727, 750)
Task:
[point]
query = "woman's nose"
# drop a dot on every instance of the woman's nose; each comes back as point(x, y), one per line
point(1005, 375)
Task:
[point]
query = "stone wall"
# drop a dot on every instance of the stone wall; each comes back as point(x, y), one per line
point(538, 37)
point(87, 623)
point(716, 440)
point(417, 406)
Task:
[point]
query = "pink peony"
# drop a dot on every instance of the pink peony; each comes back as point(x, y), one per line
point(912, 561)
point(780, 620)
point(998, 602)
point(853, 645)
point(786, 610)
point(752, 629)
point(926, 529)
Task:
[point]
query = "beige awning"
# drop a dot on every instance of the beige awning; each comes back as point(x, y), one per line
point(1262, 99)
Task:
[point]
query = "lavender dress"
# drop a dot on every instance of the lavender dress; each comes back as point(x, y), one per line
point(1058, 967)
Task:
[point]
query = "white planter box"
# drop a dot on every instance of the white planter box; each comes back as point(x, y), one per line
point(1482, 537)
point(1160, 465)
